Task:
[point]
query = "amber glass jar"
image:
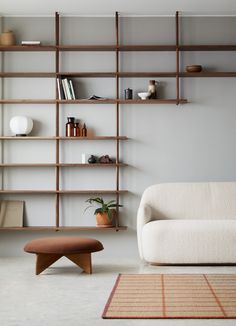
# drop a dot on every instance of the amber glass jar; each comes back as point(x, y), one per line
point(76, 129)
point(70, 127)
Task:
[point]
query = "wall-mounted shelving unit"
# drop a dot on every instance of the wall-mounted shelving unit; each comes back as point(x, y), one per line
point(117, 48)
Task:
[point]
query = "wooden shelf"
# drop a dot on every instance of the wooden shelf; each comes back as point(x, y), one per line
point(28, 138)
point(146, 74)
point(81, 165)
point(86, 101)
point(94, 165)
point(72, 192)
point(27, 165)
point(158, 101)
point(207, 47)
point(137, 74)
point(95, 138)
point(63, 228)
point(143, 47)
point(92, 191)
point(209, 74)
point(27, 101)
point(64, 138)
point(88, 74)
point(28, 48)
point(86, 47)
point(27, 74)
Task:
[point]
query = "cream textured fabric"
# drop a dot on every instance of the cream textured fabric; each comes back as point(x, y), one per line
point(188, 223)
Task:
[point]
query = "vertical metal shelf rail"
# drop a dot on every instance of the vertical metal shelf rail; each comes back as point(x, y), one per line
point(117, 118)
point(177, 56)
point(57, 68)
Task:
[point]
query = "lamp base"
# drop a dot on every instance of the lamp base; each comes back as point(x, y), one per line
point(21, 135)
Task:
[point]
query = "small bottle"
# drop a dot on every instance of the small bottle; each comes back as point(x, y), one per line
point(76, 129)
point(84, 131)
point(152, 89)
point(128, 94)
point(70, 127)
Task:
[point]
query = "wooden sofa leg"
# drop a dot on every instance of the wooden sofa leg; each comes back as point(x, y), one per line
point(43, 261)
point(82, 260)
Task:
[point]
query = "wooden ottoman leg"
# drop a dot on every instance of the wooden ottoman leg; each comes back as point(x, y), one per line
point(82, 260)
point(43, 261)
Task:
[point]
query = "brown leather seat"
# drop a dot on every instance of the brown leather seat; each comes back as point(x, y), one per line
point(77, 249)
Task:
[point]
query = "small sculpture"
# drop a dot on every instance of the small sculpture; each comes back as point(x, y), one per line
point(105, 159)
point(92, 159)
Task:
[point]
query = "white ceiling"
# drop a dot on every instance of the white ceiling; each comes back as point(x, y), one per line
point(125, 7)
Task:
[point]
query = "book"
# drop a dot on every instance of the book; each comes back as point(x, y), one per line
point(61, 94)
point(67, 89)
point(72, 89)
point(30, 42)
point(64, 89)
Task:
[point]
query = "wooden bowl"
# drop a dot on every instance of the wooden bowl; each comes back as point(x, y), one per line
point(194, 68)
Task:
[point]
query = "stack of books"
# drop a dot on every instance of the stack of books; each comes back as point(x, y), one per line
point(65, 89)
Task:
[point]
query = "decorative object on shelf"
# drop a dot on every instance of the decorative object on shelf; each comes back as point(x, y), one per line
point(105, 159)
point(95, 97)
point(128, 94)
point(21, 125)
point(76, 129)
point(92, 159)
point(105, 213)
point(152, 90)
point(84, 131)
point(144, 95)
point(70, 127)
point(11, 213)
point(194, 68)
point(8, 38)
point(30, 43)
point(84, 158)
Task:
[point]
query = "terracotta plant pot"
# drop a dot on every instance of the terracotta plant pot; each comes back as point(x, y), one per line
point(103, 220)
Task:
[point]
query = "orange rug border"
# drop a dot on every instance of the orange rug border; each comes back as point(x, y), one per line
point(158, 317)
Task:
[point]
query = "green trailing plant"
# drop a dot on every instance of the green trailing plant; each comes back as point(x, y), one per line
point(104, 207)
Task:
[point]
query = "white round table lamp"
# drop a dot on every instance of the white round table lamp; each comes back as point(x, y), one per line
point(21, 125)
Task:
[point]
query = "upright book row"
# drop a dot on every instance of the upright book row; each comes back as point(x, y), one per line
point(65, 89)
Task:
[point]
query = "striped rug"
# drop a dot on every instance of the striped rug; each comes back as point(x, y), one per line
point(172, 296)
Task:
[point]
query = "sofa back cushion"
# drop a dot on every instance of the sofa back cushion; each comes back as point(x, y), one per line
point(203, 200)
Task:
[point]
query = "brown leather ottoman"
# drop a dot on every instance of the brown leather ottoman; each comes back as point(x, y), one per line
point(49, 250)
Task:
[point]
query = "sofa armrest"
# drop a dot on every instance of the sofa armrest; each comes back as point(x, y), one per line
point(144, 216)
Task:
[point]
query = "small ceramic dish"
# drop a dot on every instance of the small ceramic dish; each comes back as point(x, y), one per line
point(143, 95)
point(194, 68)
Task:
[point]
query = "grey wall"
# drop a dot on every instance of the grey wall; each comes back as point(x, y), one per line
point(167, 143)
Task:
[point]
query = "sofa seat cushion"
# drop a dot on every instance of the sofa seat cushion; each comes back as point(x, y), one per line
point(189, 241)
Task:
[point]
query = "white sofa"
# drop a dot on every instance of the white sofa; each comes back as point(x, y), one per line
point(188, 223)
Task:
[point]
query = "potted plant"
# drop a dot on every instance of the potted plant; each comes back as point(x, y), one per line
point(105, 212)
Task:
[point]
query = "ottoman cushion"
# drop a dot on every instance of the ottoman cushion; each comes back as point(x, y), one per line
point(63, 245)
